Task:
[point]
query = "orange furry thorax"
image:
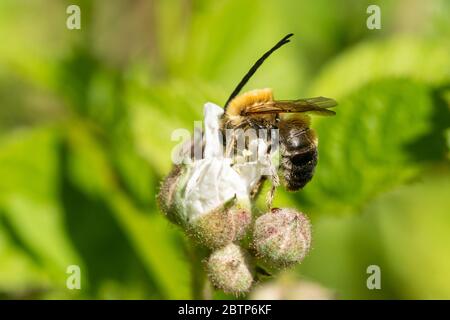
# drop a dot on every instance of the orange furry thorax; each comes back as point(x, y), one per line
point(238, 104)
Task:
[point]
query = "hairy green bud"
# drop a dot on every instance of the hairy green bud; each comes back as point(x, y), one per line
point(282, 237)
point(214, 228)
point(230, 269)
point(222, 226)
point(170, 195)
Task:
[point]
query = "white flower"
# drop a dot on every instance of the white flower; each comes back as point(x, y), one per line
point(215, 179)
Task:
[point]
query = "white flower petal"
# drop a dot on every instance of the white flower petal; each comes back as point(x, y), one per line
point(213, 145)
point(214, 180)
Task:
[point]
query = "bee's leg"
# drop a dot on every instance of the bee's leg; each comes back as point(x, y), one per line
point(254, 193)
point(230, 146)
point(275, 183)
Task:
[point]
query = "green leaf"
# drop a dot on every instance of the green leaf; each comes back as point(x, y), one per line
point(61, 203)
point(90, 185)
point(28, 199)
point(20, 274)
point(422, 60)
point(383, 135)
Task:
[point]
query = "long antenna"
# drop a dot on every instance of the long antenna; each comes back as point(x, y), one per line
point(255, 67)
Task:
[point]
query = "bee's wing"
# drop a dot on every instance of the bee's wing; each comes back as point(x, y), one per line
point(317, 105)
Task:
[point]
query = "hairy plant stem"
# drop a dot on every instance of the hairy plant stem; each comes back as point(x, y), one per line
point(201, 288)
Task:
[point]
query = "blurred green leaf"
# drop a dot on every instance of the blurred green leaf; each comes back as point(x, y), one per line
point(158, 246)
point(422, 60)
point(20, 274)
point(28, 200)
point(28, 164)
point(414, 235)
point(383, 135)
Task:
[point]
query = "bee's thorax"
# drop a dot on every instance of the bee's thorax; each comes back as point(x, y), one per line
point(237, 106)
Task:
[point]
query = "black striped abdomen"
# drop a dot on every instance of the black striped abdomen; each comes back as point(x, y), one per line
point(298, 154)
point(298, 168)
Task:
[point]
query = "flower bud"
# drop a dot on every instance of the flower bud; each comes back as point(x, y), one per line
point(169, 196)
point(223, 225)
point(214, 227)
point(229, 269)
point(282, 237)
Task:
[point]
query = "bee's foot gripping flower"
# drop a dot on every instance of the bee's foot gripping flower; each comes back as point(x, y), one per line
point(282, 237)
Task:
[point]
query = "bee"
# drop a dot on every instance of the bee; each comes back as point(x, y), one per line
point(258, 109)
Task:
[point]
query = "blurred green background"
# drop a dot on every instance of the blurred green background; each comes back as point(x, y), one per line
point(86, 117)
